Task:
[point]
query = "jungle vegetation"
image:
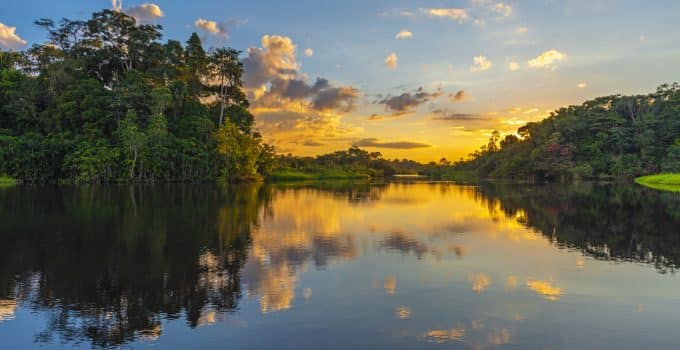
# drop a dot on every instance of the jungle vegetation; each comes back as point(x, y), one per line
point(104, 100)
point(613, 137)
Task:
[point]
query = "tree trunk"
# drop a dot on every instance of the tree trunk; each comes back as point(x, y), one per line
point(132, 168)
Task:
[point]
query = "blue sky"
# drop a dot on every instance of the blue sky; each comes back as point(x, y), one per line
point(581, 49)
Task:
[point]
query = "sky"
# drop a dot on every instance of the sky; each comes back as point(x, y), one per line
point(410, 79)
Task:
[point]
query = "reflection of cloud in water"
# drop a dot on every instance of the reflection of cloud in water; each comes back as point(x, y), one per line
point(404, 243)
point(510, 283)
point(390, 285)
point(307, 293)
point(500, 337)
point(151, 334)
point(479, 281)
point(207, 318)
point(545, 289)
point(403, 312)
point(7, 309)
point(477, 335)
point(273, 284)
point(443, 336)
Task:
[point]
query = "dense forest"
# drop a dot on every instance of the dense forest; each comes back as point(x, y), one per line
point(104, 100)
point(612, 137)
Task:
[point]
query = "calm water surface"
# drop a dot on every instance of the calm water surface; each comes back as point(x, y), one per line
point(382, 266)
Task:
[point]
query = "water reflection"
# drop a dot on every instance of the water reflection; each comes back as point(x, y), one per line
point(621, 223)
point(112, 265)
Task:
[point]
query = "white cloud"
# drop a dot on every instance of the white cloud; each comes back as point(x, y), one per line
point(521, 30)
point(309, 52)
point(547, 59)
point(404, 34)
point(391, 61)
point(144, 13)
point(481, 63)
point(9, 38)
point(219, 29)
point(502, 9)
point(582, 85)
point(452, 13)
point(513, 66)
point(211, 27)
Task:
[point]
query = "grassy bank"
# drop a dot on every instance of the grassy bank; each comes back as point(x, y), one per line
point(664, 182)
point(7, 181)
point(330, 174)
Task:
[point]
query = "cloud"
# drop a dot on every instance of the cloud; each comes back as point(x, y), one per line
point(144, 13)
point(211, 27)
point(582, 85)
point(481, 63)
point(391, 61)
point(288, 106)
point(445, 114)
point(502, 9)
point(397, 13)
point(455, 14)
point(309, 52)
point(218, 29)
point(336, 98)
point(312, 143)
point(9, 38)
point(408, 100)
point(521, 30)
point(458, 96)
point(276, 59)
point(376, 143)
point(547, 59)
point(513, 66)
point(404, 34)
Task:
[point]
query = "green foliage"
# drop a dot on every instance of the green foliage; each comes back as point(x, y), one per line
point(612, 137)
point(240, 152)
point(104, 100)
point(353, 163)
point(671, 162)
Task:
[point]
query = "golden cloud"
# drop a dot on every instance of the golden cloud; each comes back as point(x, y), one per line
point(9, 38)
point(480, 64)
point(404, 34)
point(547, 59)
point(145, 13)
point(455, 14)
point(391, 61)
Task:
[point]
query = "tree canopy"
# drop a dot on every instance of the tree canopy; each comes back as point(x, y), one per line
point(105, 100)
point(612, 137)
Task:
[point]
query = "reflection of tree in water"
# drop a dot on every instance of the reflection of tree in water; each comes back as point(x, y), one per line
point(627, 223)
point(108, 263)
point(353, 192)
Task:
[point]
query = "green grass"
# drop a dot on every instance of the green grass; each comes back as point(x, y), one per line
point(664, 182)
point(463, 176)
point(7, 181)
point(331, 174)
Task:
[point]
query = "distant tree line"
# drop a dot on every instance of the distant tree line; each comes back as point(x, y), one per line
point(612, 137)
point(104, 100)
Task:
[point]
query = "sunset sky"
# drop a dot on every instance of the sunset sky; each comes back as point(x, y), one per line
point(417, 80)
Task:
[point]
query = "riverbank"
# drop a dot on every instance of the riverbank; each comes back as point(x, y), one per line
point(664, 182)
point(330, 174)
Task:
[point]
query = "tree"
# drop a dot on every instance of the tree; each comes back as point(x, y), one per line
point(225, 75)
point(132, 139)
point(239, 151)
